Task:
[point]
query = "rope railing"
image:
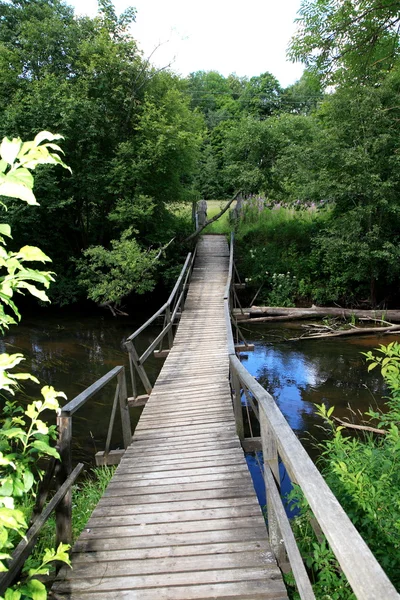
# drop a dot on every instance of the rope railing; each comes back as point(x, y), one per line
point(279, 444)
point(171, 311)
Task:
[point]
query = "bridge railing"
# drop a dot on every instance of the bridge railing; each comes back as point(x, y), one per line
point(65, 477)
point(171, 311)
point(279, 443)
point(64, 425)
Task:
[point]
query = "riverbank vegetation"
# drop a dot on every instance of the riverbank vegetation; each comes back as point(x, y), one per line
point(143, 141)
point(363, 473)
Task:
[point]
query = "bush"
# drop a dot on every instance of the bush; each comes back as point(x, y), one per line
point(363, 474)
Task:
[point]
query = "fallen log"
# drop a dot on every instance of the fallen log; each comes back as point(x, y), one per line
point(272, 313)
point(347, 332)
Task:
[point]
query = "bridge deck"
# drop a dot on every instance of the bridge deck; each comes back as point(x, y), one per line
point(180, 519)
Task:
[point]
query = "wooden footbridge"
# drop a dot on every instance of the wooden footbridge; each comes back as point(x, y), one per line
point(180, 519)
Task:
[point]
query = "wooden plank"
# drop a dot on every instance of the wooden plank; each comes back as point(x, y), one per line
point(134, 554)
point(180, 519)
point(115, 500)
point(170, 506)
point(173, 516)
point(158, 529)
point(148, 566)
point(108, 584)
point(242, 590)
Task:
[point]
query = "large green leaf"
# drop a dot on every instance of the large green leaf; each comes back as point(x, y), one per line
point(32, 253)
point(9, 149)
point(17, 190)
point(20, 175)
point(46, 135)
point(44, 448)
point(5, 229)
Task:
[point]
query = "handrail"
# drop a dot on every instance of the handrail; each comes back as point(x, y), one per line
point(170, 310)
point(64, 425)
point(364, 574)
point(164, 306)
point(72, 406)
point(27, 544)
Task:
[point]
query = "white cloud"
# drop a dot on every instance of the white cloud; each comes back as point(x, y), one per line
point(227, 36)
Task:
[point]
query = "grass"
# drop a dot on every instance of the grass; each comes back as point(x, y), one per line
point(213, 208)
point(85, 496)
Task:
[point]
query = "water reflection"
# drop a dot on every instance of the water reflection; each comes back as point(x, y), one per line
point(70, 354)
point(301, 374)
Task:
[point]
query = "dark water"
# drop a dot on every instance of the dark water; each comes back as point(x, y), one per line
point(71, 352)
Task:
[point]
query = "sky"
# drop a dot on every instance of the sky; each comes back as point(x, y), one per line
point(246, 38)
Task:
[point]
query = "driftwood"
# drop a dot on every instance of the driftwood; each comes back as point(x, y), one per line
point(362, 427)
point(269, 313)
point(347, 332)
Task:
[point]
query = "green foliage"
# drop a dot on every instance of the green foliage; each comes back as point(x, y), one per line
point(361, 37)
point(128, 129)
point(364, 476)
point(24, 436)
point(109, 275)
point(274, 242)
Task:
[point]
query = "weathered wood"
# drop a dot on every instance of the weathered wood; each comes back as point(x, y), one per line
point(111, 423)
point(349, 332)
point(296, 562)
point(180, 514)
point(26, 545)
point(110, 459)
point(74, 405)
point(258, 313)
point(270, 459)
point(138, 400)
point(160, 353)
point(43, 489)
point(244, 347)
point(251, 444)
point(64, 507)
point(124, 409)
point(363, 572)
point(138, 367)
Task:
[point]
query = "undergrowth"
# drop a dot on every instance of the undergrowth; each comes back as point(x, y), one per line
point(85, 496)
point(363, 473)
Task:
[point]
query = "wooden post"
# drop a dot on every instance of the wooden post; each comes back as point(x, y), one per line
point(133, 375)
point(139, 367)
point(124, 408)
point(270, 459)
point(111, 423)
point(237, 404)
point(168, 320)
point(64, 508)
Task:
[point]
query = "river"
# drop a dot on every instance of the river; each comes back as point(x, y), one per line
point(70, 352)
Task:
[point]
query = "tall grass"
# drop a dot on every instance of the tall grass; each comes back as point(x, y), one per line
point(279, 242)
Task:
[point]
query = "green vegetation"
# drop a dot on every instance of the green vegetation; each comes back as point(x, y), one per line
point(85, 497)
point(141, 141)
point(363, 473)
point(24, 437)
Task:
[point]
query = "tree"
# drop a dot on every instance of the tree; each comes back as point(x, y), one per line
point(261, 96)
point(128, 129)
point(335, 35)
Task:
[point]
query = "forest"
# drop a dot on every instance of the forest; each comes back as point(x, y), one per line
point(322, 155)
point(123, 151)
